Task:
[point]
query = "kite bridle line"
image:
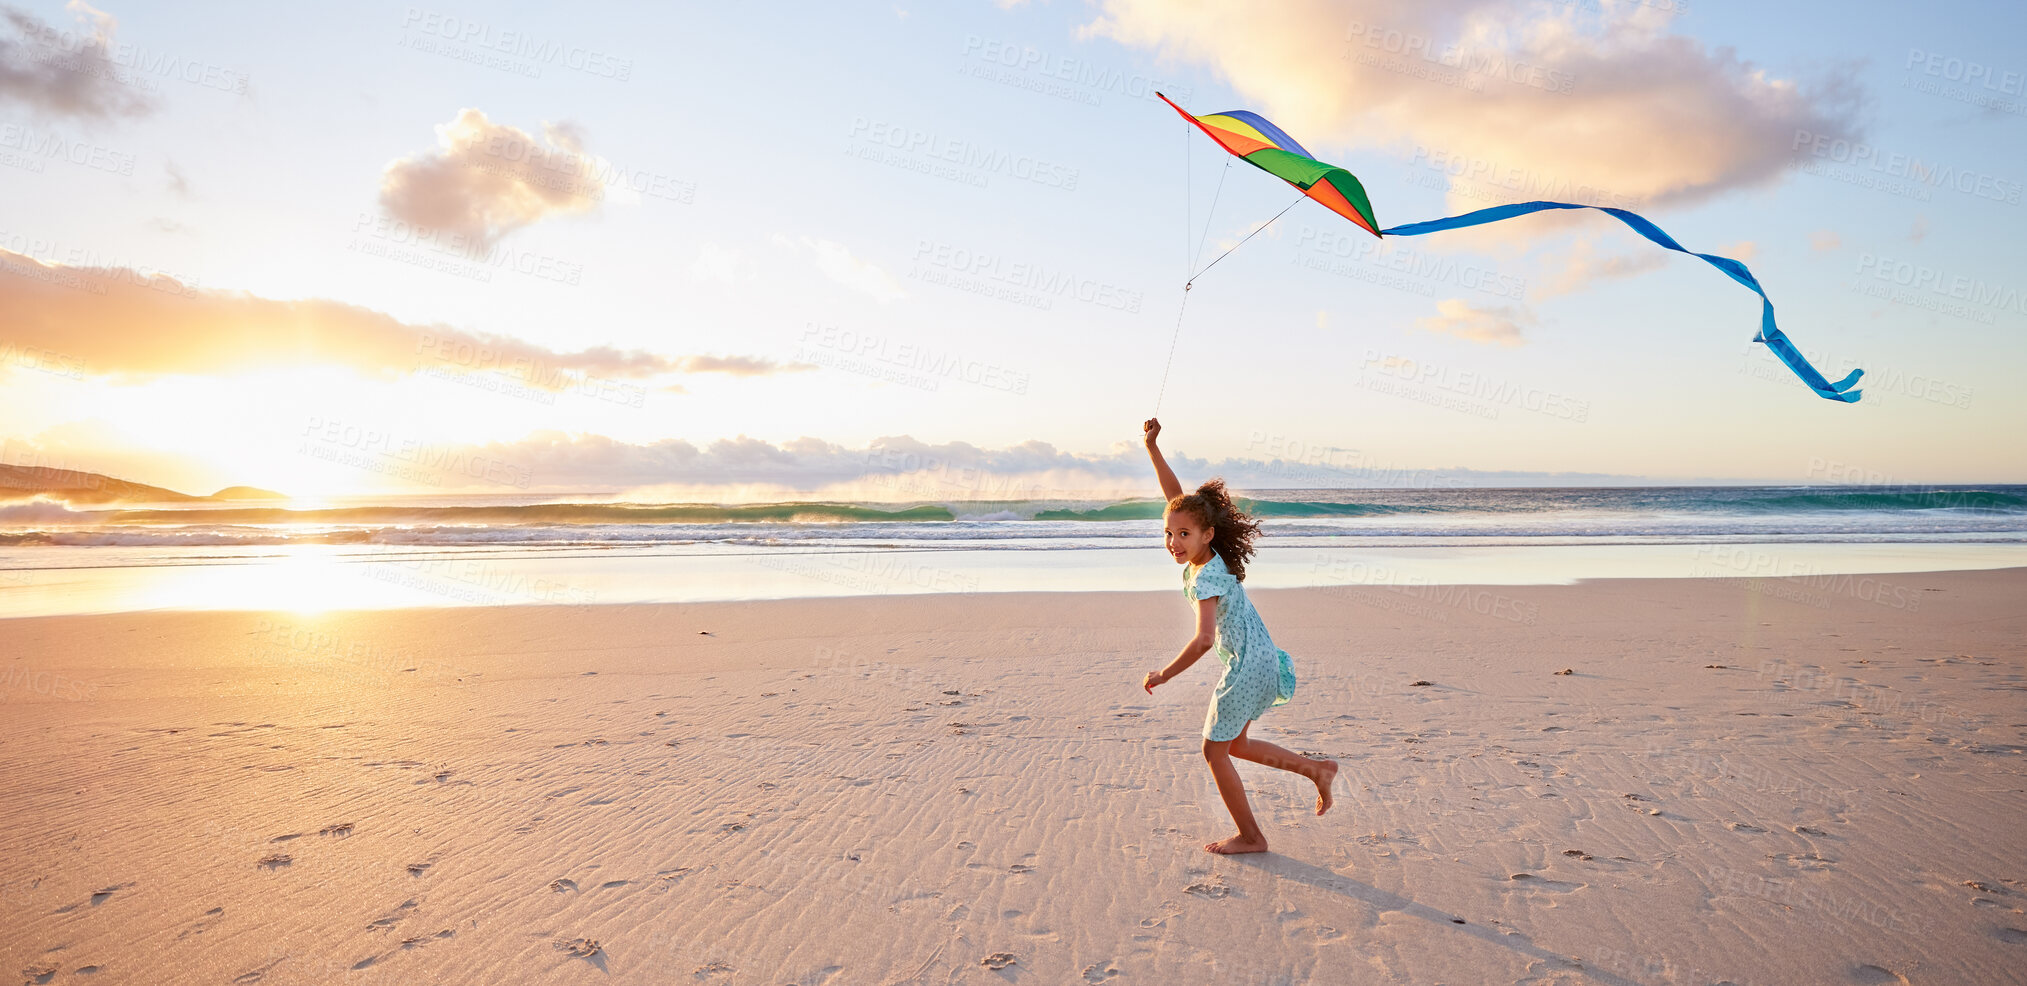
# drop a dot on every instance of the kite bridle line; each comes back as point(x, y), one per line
point(1191, 282)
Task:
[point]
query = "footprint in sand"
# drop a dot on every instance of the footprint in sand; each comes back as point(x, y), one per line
point(340, 830)
point(582, 948)
point(563, 886)
point(1803, 861)
point(1743, 827)
point(1098, 972)
point(1871, 974)
point(275, 860)
point(421, 940)
point(99, 896)
point(416, 869)
point(998, 960)
point(2011, 936)
point(1531, 883)
point(1210, 890)
point(39, 974)
point(393, 918)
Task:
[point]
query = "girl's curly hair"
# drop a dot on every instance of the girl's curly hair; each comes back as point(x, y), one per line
point(1232, 530)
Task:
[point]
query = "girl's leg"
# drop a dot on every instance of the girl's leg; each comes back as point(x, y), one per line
point(1322, 771)
point(1250, 838)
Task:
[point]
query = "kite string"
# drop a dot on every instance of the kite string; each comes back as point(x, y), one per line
point(1171, 351)
point(1211, 217)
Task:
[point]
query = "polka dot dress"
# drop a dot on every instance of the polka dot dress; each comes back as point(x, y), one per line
point(1258, 675)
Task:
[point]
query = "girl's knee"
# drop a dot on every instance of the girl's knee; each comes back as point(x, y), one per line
point(1215, 750)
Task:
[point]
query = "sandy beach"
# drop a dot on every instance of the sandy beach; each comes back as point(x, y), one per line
point(1742, 781)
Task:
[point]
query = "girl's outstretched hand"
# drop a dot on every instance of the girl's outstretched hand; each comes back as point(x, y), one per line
point(1149, 430)
point(1153, 678)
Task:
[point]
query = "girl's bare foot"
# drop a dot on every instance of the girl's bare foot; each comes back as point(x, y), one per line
point(1323, 782)
point(1237, 844)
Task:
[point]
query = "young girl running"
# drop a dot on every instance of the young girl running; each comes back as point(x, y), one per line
point(1212, 540)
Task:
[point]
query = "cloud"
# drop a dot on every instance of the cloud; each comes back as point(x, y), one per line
point(1541, 101)
point(1743, 251)
point(485, 180)
point(716, 263)
point(837, 262)
point(59, 71)
point(1583, 267)
point(122, 322)
point(1825, 239)
point(903, 468)
point(739, 366)
point(1499, 324)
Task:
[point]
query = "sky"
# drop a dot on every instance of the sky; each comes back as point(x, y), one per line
point(932, 251)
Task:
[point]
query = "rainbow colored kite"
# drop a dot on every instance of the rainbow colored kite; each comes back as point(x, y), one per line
point(1260, 143)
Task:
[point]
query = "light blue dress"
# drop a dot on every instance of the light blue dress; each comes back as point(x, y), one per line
point(1258, 675)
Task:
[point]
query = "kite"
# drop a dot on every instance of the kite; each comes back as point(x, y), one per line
point(1252, 138)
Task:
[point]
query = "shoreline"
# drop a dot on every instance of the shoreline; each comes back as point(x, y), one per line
point(336, 581)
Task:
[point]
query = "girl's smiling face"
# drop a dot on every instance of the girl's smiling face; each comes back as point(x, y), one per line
point(1188, 537)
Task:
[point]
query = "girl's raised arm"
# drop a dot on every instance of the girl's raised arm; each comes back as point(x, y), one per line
point(1170, 489)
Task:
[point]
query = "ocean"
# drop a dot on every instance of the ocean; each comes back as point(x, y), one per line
point(518, 549)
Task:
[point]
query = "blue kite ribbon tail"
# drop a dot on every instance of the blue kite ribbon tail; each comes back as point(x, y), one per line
point(1769, 333)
